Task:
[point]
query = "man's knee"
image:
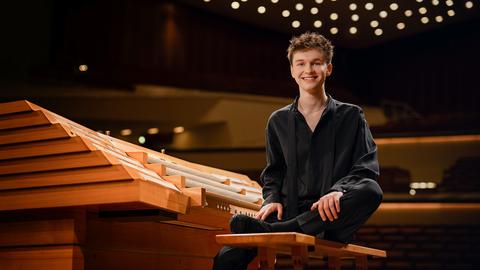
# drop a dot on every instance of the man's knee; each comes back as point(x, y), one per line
point(369, 191)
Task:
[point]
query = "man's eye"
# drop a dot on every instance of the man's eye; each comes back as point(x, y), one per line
point(300, 64)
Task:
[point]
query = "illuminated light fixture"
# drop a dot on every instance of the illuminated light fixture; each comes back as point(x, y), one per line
point(374, 24)
point(141, 140)
point(83, 68)
point(355, 17)
point(295, 24)
point(317, 24)
point(235, 5)
point(274, 1)
point(408, 13)
point(424, 20)
point(368, 6)
point(334, 30)
point(435, 2)
point(419, 1)
point(378, 32)
point(318, 1)
point(178, 129)
point(352, 6)
point(393, 6)
point(314, 10)
point(400, 26)
point(439, 19)
point(383, 14)
point(449, 3)
point(126, 132)
point(244, 0)
point(333, 16)
point(423, 185)
point(299, 6)
point(206, 1)
point(422, 10)
point(352, 30)
point(261, 9)
point(469, 4)
point(451, 13)
point(153, 131)
point(412, 192)
point(285, 13)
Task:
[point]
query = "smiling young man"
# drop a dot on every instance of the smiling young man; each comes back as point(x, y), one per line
point(322, 166)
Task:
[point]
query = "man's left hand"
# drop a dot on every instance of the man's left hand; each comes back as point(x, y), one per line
point(328, 206)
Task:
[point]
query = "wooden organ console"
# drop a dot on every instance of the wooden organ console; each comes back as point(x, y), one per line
point(73, 198)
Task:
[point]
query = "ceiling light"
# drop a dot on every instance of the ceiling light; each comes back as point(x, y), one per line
point(299, 6)
point(244, 0)
point(318, 1)
point(353, 30)
point(274, 1)
point(153, 131)
point(424, 20)
point(235, 5)
point(352, 6)
point(412, 192)
point(333, 16)
point(408, 13)
point(317, 24)
point(141, 140)
point(451, 13)
point(449, 3)
point(355, 17)
point(83, 68)
point(393, 6)
point(206, 1)
point(383, 14)
point(334, 30)
point(374, 23)
point(419, 1)
point(469, 4)
point(378, 32)
point(314, 10)
point(178, 129)
point(295, 24)
point(422, 10)
point(285, 13)
point(435, 2)
point(400, 26)
point(368, 6)
point(261, 9)
point(126, 132)
point(439, 19)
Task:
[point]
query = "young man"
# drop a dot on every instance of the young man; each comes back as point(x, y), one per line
point(322, 166)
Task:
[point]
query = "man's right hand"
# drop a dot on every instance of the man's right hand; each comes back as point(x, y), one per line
point(266, 210)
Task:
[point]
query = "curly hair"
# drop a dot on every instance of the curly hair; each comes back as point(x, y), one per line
point(310, 40)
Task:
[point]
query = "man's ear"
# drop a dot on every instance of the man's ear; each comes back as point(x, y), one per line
point(329, 69)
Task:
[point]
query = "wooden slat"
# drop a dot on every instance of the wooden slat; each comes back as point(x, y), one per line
point(266, 239)
point(66, 257)
point(339, 249)
point(31, 134)
point(138, 191)
point(57, 162)
point(20, 120)
point(65, 177)
point(45, 148)
point(15, 107)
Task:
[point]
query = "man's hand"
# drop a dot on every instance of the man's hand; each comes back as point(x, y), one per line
point(328, 206)
point(266, 210)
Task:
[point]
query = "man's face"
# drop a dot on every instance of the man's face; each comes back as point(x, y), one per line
point(310, 69)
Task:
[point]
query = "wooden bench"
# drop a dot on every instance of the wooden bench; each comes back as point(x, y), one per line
point(300, 247)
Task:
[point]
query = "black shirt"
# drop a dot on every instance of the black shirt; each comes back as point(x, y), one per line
point(339, 152)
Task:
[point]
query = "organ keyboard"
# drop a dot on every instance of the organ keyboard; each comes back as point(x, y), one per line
point(71, 197)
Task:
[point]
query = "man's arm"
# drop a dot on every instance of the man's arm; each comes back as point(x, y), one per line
point(365, 165)
point(272, 175)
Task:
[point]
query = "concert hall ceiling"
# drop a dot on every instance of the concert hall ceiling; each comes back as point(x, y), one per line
point(351, 24)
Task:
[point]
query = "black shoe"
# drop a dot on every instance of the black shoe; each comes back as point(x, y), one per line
point(245, 224)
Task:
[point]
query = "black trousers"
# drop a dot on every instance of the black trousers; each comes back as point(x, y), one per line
point(356, 206)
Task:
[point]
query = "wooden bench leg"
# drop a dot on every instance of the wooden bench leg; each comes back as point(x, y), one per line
point(334, 263)
point(299, 257)
point(361, 263)
point(254, 264)
point(266, 256)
